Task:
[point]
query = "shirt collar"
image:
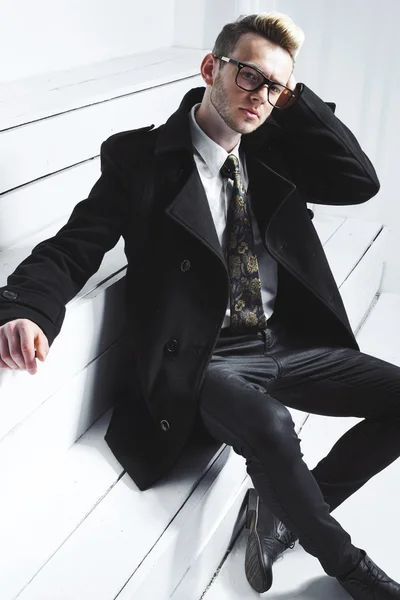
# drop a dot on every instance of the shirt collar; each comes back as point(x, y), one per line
point(211, 153)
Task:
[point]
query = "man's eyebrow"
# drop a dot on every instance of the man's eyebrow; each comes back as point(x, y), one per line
point(251, 64)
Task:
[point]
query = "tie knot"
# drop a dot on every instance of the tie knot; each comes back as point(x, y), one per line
point(230, 166)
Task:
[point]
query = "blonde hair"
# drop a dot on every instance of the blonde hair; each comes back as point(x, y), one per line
point(275, 27)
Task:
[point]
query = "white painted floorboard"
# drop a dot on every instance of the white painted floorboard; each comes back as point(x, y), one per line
point(370, 515)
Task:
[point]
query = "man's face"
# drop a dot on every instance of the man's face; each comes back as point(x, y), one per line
point(245, 111)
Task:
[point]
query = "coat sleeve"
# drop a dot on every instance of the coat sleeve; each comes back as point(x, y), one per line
point(326, 161)
point(59, 267)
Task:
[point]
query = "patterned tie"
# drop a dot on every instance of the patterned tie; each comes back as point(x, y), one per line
point(247, 312)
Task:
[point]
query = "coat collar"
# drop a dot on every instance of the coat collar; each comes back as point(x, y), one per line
point(175, 134)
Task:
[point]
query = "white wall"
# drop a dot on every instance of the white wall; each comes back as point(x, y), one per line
point(50, 35)
point(350, 57)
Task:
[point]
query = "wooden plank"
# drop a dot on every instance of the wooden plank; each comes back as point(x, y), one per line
point(206, 561)
point(77, 76)
point(345, 249)
point(122, 529)
point(43, 511)
point(182, 543)
point(58, 422)
point(34, 151)
point(38, 97)
point(380, 333)
point(32, 208)
point(360, 288)
point(326, 226)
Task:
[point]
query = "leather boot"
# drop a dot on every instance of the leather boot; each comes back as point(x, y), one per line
point(368, 582)
point(268, 538)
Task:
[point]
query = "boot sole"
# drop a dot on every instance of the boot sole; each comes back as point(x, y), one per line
point(258, 576)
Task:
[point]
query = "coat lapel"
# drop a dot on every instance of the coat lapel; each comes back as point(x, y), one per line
point(190, 206)
point(190, 209)
point(269, 191)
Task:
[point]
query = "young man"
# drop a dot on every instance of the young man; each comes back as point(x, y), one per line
point(233, 309)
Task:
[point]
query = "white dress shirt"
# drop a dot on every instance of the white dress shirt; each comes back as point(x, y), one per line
point(209, 158)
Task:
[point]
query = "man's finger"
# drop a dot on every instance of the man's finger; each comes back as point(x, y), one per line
point(14, 344)
point(42, 346)
point(3, 365)
point(28, 348)
point(5, 352)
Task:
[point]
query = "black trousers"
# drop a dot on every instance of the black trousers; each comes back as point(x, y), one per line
point(251, 380)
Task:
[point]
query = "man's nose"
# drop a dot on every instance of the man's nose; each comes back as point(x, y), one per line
point(261, 94)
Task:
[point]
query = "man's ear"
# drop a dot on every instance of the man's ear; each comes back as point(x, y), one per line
point(208, 69)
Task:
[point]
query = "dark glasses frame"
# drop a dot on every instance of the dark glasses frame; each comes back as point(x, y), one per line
point(289, 95)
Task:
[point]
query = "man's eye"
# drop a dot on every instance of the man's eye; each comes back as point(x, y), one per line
point(275, 89)
point(250, 76)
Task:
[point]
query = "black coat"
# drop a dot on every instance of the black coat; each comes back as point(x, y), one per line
point(177, 282)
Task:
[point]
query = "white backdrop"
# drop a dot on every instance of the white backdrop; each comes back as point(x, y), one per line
point(351, 57)
point(50, 35)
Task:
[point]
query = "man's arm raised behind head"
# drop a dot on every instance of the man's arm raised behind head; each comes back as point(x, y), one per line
point(325, 159)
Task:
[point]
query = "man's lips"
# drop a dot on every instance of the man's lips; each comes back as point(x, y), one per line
point(250, 112)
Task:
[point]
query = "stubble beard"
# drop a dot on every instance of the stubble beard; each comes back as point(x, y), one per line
point(219, 100)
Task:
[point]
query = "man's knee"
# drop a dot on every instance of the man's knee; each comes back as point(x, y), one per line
point(272, 421)
point(270, 432)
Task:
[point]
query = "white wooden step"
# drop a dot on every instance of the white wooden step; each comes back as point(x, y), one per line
point(43, 512)
point(54, 426)
point(30, 209)
point(297, 574)
point(356, 254)
point(34, 151)
point(47, 510)
point(40, 96)
point(135, 544)
point(43, 179)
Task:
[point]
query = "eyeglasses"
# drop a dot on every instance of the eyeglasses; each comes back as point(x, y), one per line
point(251, 79)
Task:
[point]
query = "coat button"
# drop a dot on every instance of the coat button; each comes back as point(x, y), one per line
point(165, 426)
point(9, 295)
point(310, 212)
point(185, 265)
point(172, 346)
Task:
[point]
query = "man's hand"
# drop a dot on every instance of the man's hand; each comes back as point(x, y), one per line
point(21, 341)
